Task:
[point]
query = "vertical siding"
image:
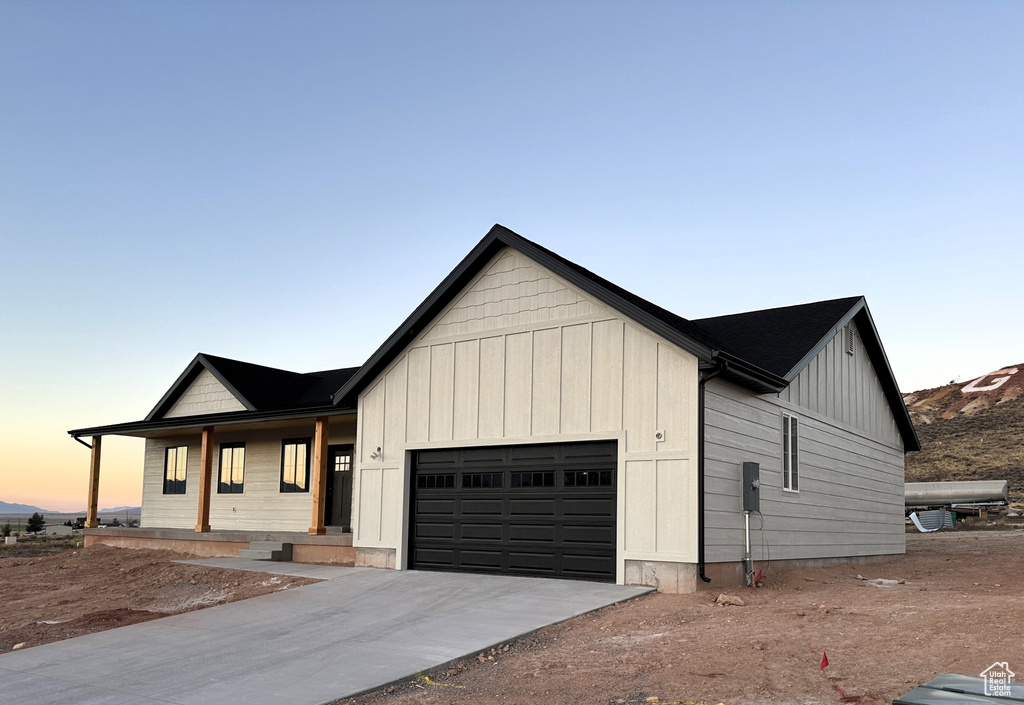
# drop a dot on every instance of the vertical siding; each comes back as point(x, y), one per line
point(844, 388)
point(262, 505)
point(548, 373)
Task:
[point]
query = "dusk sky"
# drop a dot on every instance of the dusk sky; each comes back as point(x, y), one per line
point(283, 183)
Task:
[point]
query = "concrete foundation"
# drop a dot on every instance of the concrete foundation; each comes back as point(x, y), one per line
point(663, 575)
point(375, 557)
point(731, 574)
point(684, 577)
point(334, 549)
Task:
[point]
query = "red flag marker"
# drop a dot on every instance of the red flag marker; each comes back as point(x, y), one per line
point(824, 661)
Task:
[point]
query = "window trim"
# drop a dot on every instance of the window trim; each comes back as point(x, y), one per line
point(220, 469)
point(170, 486)
point(790, 458)
point(292, 487)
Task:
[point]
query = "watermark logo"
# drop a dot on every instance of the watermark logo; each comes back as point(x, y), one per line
point(998, 678)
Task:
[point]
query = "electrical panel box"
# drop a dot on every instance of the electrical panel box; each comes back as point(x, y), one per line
point(751, 487)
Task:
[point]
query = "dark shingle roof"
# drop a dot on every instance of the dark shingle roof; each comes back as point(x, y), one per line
point(273, 389)
point(777, 339)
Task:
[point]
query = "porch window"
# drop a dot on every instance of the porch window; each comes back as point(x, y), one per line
point(295, 465)
point(232, 468)
point(790, 454)
point(175, 462)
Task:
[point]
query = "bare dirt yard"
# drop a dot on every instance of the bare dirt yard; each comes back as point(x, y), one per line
point(51, 590)
point(960, 608)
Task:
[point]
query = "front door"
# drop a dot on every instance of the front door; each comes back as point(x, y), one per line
point(338, 503)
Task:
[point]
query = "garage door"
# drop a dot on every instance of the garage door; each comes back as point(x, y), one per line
point(545, 510)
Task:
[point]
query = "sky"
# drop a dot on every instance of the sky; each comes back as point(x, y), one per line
point(284, 182)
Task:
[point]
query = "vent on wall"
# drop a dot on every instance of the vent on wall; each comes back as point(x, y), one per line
point(849, 340)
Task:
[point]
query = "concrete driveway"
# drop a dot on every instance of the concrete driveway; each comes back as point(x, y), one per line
point(356, 631)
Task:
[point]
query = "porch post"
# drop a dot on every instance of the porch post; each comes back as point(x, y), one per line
point(94, 485)
point(205, 480)
point(319, 476)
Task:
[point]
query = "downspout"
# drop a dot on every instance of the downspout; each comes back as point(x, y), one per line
point(721, 366)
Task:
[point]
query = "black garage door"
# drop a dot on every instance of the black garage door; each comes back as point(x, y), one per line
point(544, 510)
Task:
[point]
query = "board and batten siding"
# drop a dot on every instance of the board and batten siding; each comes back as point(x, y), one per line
point(206, 395)
point(850, 499)
point(521, 356)
point(260, 506)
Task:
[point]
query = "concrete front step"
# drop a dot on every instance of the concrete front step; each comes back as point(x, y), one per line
point(267, 551)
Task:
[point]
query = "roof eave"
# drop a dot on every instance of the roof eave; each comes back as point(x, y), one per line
point(136, 428)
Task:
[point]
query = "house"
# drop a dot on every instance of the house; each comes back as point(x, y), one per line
point(530, 417)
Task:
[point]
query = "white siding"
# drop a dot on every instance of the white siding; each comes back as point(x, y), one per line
point(261, 506)
point(206, 395)
point(850, 499)
point(521, 356)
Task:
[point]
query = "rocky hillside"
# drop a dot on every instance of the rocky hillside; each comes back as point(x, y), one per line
point(971, 431)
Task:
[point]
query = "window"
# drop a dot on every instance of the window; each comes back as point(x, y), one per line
point(295, 465)
point(343, 461)
point(435, 482)
point(483, 480)
point(588, 478)
point(232, 468)
point(790, 454)
point(533, 479)
point(175, 462)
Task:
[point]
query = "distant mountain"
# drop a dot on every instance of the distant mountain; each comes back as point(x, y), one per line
point(122, 510)
point(971, 431)
point(13, 508)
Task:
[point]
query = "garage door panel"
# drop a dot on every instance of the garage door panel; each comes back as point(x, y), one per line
point(424, 530)
point(590, 535)
point(589, 566)
point(425, 557)
point(439, 507)
point(483, 507)
point(532, 532)
point(481, 532)
point(532, 507)
point(480, 559)
point(546, 510)
point(588, 506)
point(521, 561)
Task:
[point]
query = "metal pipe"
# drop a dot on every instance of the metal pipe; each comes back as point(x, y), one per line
point(87, 445)
point(721, 366)
point(747, 562)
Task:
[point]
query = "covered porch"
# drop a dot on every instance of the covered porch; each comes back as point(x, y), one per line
point(192, 504)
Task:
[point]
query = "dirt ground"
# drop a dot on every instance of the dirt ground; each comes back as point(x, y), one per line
point(960, 609)
point(64, 591)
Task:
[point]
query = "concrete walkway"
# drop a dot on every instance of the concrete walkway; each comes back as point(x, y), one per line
point(301, 570)
point(308, 645)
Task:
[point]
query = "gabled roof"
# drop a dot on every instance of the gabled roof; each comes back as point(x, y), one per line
point(760, 350)
point(258, 388)
point(267, 393)
point(784, 340)
point(781, 340)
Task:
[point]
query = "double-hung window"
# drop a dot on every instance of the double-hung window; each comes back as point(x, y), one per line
point(295, 465)
point(175, 463)
point(232, 468)
point(790, 454)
